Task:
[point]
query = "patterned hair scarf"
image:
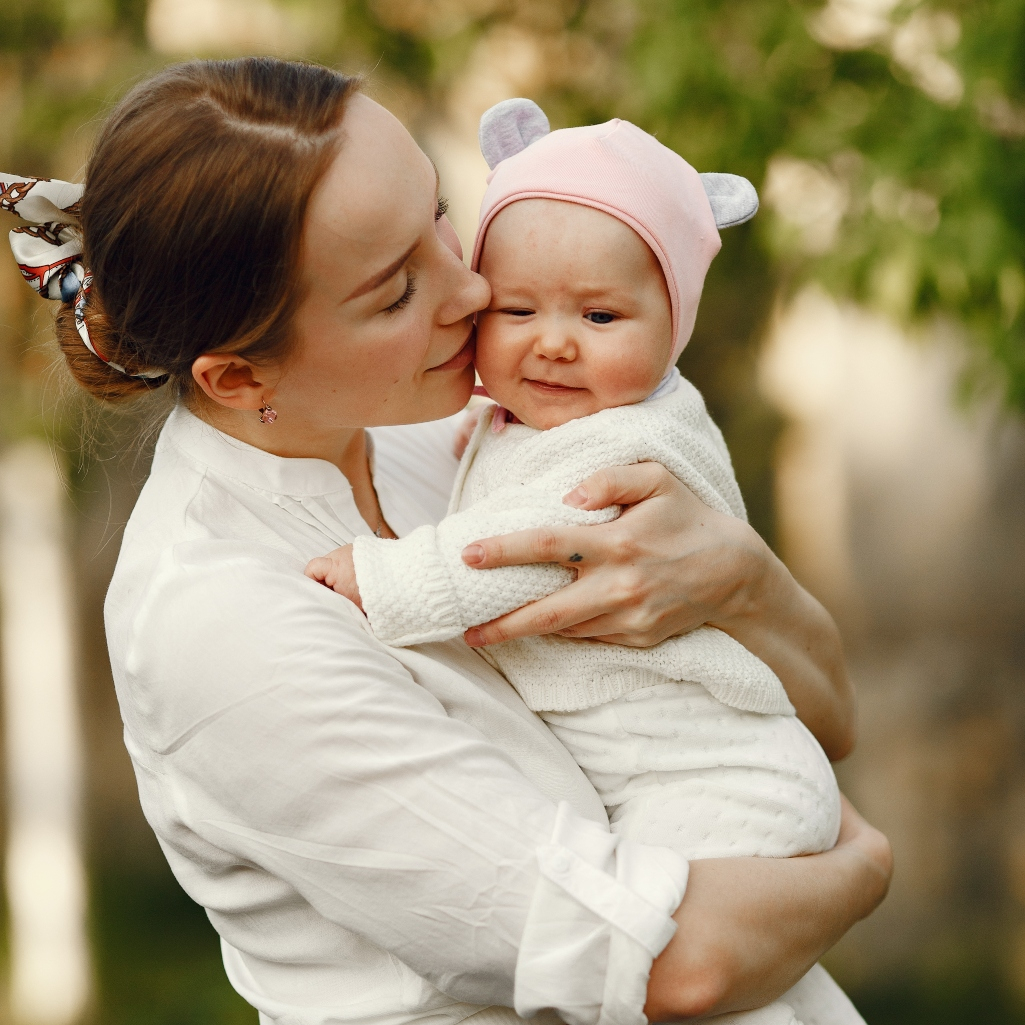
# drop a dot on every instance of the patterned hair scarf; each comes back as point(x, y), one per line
point(49, 249)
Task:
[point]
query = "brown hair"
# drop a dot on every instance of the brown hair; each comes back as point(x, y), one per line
point(192, 218)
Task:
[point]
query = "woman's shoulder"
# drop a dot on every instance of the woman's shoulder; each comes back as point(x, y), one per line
point(214, 620)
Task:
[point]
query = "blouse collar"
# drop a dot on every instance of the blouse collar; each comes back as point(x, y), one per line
point(247, 464)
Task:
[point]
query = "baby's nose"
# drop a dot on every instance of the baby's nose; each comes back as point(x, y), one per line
point(555, 342)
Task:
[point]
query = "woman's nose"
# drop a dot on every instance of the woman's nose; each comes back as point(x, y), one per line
point(469, 294)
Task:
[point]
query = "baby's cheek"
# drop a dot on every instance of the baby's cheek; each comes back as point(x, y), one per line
point(626, 377)
point(495, 360)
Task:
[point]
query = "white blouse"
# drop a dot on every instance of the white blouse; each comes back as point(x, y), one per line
point(378, 834)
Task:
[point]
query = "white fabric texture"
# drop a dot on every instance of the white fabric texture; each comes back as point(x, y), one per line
point(692, 745)
point(379, 835)
point(418, 589)
point(677, 768)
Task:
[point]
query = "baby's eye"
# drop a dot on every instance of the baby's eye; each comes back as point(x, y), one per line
point(517, 312)
point(600, 317)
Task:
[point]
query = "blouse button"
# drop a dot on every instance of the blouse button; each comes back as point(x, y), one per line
point(561, 862)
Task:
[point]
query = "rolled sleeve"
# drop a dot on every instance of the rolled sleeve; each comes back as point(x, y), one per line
point(600, 914)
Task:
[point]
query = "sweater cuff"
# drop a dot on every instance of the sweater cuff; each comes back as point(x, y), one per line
point(405, 589)
point(600, 915)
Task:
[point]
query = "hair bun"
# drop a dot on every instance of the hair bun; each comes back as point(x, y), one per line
point(98, 378)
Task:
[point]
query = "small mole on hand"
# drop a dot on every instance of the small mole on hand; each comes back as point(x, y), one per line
point(576, 558)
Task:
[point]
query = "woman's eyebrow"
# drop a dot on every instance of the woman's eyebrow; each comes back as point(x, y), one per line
point(382, 276)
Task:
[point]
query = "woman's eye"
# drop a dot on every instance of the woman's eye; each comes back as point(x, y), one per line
point(403, 300)
point(599, 317)
point(442, 208)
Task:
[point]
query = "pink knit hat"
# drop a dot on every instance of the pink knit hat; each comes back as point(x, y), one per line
point(619, 169)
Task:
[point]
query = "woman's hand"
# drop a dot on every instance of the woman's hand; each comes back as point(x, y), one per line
point(668, 565)
point(749, 928)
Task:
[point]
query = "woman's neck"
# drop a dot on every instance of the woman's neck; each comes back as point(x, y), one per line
point(345, 447)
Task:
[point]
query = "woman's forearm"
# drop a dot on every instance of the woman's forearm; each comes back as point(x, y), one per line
point(780, 622)
point(749, 928)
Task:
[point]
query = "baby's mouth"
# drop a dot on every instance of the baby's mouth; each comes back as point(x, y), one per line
point(552, 388)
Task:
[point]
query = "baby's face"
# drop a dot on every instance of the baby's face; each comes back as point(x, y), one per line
point(579, 319)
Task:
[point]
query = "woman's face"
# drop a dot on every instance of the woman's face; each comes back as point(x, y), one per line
point(385, 333)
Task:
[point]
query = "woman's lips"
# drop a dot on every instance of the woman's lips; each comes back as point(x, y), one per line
point(463, 358)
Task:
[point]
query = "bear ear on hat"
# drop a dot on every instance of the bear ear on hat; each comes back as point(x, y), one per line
point(733, 199)
point(509, 127)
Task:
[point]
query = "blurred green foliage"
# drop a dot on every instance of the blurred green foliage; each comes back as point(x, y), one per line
point(891, 160)
point(914, 120)
point(932, 186)
point(157, 957)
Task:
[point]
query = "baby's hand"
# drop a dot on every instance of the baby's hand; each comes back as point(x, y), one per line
point(336, 570)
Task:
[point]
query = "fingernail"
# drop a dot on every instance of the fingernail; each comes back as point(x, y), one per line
point(474, 638)
point(472, 554)
point(577, 497)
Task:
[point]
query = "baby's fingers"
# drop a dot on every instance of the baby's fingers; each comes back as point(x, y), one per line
point(319, 569)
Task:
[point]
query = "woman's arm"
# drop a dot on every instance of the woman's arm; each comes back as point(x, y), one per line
point(286, 738)
point(668, 565)
point(278, 742)
point(749, 928)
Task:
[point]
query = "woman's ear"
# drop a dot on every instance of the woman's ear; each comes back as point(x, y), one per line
point(232, 381)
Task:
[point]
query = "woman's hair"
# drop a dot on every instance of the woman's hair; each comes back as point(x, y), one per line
point(192, 218)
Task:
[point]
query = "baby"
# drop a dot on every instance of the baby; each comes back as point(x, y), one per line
point(596, 242)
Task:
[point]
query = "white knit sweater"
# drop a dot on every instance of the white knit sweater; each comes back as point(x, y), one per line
point(417, 589)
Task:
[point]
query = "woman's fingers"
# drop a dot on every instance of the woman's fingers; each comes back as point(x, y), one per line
point(559, 611)
point(571, 546)
point(590, 607)
point(620, 485)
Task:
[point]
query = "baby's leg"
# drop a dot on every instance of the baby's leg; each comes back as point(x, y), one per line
point(678, 769)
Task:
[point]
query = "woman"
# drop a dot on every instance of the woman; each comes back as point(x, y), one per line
point(384, 834)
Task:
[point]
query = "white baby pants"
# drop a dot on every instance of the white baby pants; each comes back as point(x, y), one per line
point(677, 768)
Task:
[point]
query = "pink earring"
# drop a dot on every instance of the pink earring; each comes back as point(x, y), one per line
point(268, 414)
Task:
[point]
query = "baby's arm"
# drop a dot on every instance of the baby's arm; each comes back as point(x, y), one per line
point(418, 589)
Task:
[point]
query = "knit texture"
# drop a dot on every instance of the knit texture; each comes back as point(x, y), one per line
point(417, 589)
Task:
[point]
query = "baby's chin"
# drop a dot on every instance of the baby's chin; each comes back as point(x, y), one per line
point(544, 416)
point(546, 423)
point(545, 411)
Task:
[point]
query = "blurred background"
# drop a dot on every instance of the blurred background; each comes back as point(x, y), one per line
point(861, 342)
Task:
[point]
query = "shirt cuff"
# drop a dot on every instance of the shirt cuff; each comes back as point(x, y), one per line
point(601, 913)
